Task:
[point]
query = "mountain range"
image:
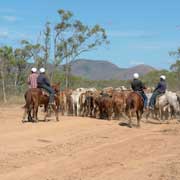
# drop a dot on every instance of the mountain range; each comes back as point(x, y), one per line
point(105, 70)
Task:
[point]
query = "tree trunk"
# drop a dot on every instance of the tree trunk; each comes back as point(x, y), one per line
point(3, 87)
point(15, 83)
point(69, 74)
point(66, 74)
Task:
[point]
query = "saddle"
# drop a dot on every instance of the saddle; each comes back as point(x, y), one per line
point(140, 94)
point(44, 92)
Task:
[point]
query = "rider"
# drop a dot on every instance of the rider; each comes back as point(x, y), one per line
point(139, 87)
point(32, 78)
point(44, 83)
point(160, 89)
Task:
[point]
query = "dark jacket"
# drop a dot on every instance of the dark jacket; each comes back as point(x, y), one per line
point(137, 85)
point(161, 86)
point(42, 80)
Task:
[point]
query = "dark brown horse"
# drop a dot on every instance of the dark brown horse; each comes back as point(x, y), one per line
point(34, 98)
point(134, 104)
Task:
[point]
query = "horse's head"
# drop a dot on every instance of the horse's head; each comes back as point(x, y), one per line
point(56, 87)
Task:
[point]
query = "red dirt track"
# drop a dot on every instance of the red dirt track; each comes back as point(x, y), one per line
point(77, 148)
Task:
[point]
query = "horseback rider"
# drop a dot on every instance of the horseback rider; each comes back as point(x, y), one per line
point(32, 78)
point(44, 83)
point(139, 87)
point(160, 89)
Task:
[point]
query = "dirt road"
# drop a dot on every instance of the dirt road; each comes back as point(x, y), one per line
point(83, 148)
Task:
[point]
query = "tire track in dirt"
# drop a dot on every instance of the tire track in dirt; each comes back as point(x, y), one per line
point(84, 148)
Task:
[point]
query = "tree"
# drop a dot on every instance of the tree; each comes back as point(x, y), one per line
point(176, 66)
point(74, 38)
point(20, 66)
point(33, 52)
point(6, 59)
point(47, 44)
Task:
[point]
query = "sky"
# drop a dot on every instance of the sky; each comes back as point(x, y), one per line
point(139, 31)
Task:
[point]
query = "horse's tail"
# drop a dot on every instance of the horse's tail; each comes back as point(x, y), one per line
point(129, 103)
point(178, 99)
point(28, 99)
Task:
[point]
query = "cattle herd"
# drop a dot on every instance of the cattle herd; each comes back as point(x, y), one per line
point(89, 102)
point(110, 103)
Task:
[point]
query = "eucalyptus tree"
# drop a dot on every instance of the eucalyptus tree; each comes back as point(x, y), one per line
point(72, 38)
point(176, 66)
point(46, 46)
point(33, 52)
point(6, 60)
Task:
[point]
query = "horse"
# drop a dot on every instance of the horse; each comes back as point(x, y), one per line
point(166, 104)
point(34, 98)
point(134, 104)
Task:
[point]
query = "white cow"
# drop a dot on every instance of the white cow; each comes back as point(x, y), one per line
point(75, 100)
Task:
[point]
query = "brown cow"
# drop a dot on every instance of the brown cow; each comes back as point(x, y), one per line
point(105, 105)
point(86, 104)
point(118, 104)
point(65, 101)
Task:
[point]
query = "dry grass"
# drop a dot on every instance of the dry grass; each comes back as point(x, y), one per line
point(13, 100)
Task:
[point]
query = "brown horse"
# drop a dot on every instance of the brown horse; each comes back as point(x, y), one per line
point(134, 104)
point(34, 98)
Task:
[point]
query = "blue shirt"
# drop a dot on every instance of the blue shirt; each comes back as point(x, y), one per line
point(161, 86)
point(42, 80)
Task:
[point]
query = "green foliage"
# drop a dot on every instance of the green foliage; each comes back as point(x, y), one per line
point(151, 79)
point(33, 52)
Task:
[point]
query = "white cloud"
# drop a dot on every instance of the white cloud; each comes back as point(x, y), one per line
point(11, 35)
point(3, 34)
point(10, 18)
